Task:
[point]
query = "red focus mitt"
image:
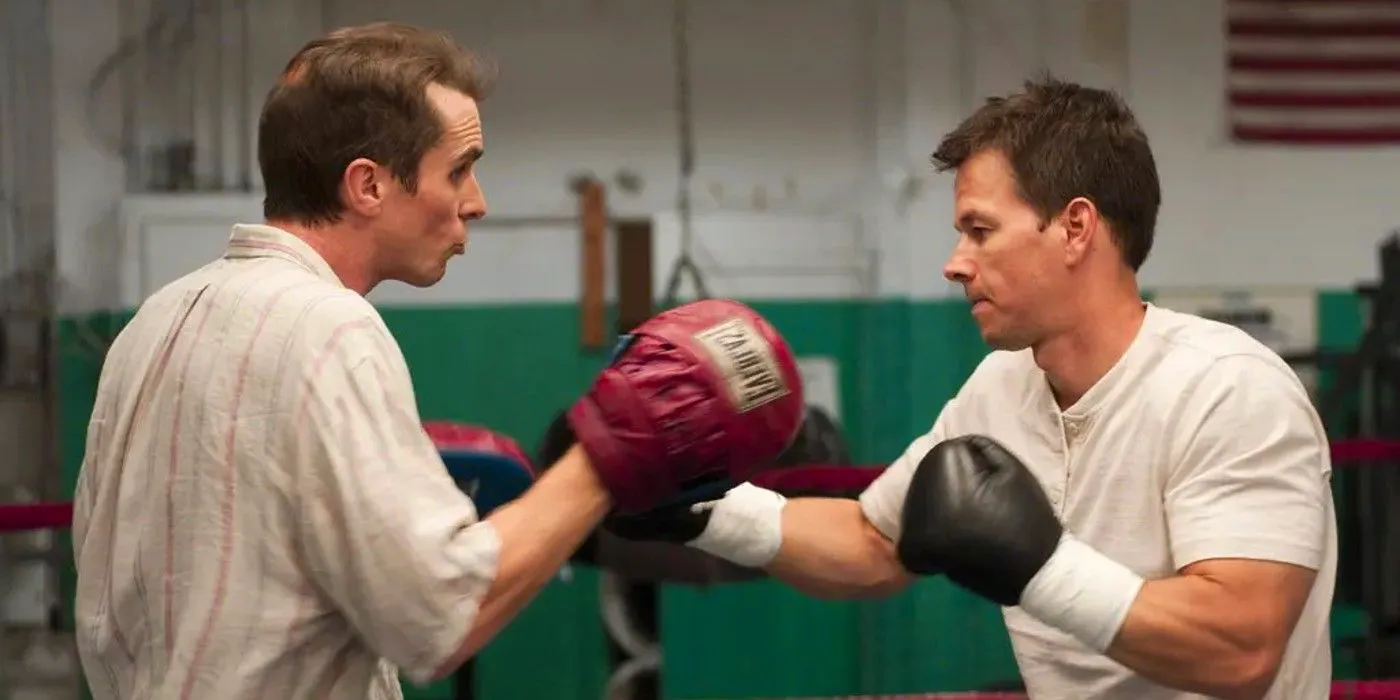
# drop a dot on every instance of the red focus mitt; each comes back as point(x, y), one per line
point(704, 389)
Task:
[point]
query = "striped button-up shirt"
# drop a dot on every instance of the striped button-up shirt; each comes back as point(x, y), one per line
point(260, 514)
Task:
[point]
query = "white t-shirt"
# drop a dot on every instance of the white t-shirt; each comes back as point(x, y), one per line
point(1200, 443)
point(260, 513)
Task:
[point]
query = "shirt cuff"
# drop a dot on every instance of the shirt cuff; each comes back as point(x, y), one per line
point(872, 506)
point(460, 618)
point(1189, 551)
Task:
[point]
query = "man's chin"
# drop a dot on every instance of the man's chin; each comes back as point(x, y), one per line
point(425, 279)
point(1003, 341)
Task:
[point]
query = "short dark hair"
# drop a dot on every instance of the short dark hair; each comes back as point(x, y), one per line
point(1063, 141)
point(357, 92)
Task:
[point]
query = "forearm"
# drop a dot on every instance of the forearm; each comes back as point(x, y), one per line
point(538, 533)
point(830, 550)
point(1186, 632)
point(1189, 632)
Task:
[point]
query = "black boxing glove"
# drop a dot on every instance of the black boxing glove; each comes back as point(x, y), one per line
point(976, 514)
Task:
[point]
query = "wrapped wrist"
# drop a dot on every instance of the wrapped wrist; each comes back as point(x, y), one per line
point(745, 527)
point(1082, 592)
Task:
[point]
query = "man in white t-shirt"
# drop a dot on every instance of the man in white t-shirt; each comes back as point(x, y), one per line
point(1147, 492)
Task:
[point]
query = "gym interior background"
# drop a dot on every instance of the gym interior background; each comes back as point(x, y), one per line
point(128, 153)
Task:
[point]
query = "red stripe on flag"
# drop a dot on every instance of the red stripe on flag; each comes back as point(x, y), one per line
point(1301, 28)
point(1305, 136)
point(1312, 64)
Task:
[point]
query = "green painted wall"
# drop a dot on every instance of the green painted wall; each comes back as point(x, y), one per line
point(900, 361)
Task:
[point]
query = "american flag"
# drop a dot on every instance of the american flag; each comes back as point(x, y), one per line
point(1316, 72)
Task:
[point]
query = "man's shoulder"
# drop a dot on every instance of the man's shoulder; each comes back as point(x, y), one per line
point(1206, 337)
point(270, 285)
point(1004, 374)
point(288, 290)
point(1214, 357)
point(300, 312)
point(324, 309)
point(1223, 387)
point(1002, 380)
point(328, 320)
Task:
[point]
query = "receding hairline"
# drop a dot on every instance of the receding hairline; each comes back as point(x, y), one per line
point(435, 55)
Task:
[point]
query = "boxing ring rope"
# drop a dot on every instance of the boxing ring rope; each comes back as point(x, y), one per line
point(1341, 690)
point(27, 517)
point(645, 654)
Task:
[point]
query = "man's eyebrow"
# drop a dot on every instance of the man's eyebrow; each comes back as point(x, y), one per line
point(471, 155)
point(968, 219)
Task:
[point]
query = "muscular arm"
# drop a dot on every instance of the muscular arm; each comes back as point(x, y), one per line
point(538, 533)
point(1248, 509)
point(1219, 628)
point(838, 548)
point(824, 547)
point(1247, 505)
point(830, 550)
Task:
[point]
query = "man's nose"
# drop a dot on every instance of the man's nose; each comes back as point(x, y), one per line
point(959, 267)
point(474, 203)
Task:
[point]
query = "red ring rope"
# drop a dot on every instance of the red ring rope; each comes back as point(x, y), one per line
point(24, 517)
point(1351, 451)
point(1341, 690)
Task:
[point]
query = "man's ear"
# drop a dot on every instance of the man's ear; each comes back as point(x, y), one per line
point(364, 186)
point(1081, 222)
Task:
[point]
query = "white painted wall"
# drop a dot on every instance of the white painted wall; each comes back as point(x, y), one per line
point(814, 119)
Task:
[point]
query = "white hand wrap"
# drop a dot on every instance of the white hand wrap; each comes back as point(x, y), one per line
point(1082, 592)
point(746, 526)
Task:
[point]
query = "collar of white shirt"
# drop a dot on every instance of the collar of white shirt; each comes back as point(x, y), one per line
point(262, 241)
point(1120, 380)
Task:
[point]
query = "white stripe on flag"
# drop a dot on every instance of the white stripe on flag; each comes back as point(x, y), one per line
point(1302, 82)
point(1293, 47)
point(1350, 119)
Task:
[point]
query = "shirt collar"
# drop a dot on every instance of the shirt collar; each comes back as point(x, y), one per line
point(261, 241)
point(1121, 377)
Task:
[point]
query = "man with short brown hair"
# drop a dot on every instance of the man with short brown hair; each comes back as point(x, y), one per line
point(260, 512)
point(1146, 492)
point(1064, 140)
point(373, 99)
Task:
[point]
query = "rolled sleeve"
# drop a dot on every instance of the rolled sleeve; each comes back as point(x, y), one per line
point(1253, 481)
point(883, 501)
point(386, 533)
